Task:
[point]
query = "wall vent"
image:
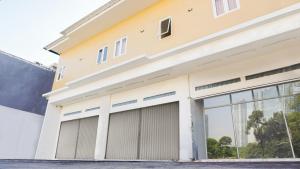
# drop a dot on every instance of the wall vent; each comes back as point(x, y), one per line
point(218, 84)
point(273, 72)
point(124, 103)
point(72, 113)
point(159, 96)
point(91, 109)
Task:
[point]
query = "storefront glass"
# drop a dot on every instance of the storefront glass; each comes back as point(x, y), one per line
point(258, 123)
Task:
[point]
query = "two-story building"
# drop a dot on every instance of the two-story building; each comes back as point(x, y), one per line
point(177, 80)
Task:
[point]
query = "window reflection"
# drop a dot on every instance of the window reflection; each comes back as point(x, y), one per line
point(219, 133)
point(266, 126)
point(265, 93)
point(289, 89)
point(217, 101)
point(267, 130)
point(242, 97)
point(291, 107)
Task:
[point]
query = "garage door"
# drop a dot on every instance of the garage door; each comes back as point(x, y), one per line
point(150, 133)
point(123, 135)
point(77, 139)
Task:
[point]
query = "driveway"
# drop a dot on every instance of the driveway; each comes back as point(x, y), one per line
point(32, 164)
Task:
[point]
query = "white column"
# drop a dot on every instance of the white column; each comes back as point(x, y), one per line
point(102, 131)
point(185, 122)
point(49, 134)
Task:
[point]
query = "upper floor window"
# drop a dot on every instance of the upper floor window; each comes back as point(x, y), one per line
point(102, 55)
point(165, 28)
point(61, 72)
point(120, 47)
point(222, 7)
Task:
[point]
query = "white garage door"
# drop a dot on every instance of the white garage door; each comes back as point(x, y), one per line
point(77, 139)
point(150, 133)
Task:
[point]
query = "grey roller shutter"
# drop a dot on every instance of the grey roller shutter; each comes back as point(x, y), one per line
point(123, 135)
point(87, 138)
point(160, 132)
point(66, 146)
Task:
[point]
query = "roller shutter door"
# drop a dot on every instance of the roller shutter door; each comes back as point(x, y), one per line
point(67, 141)
point(160, 132)
point(150, 133)
point(123, 135)
point(77, 139)
point(87, 138)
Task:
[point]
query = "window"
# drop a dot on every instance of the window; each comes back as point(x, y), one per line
point(222, 7)
point(256, 123)
point(165, 28)
point(102, 55)
point(120, 47)
point(61, 73)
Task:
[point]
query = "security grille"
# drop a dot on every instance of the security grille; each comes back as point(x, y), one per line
point(77, 139)
point(150, 133)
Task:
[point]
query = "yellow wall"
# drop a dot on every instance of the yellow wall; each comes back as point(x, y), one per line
point(186, 26)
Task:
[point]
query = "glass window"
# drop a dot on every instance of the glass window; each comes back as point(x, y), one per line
point(265, 93)
point(225, 6)
point(120, 47)
point(289, 89)
point(105, 54)
point(99, 58)
point(291, 109)
point(242, 97)
point(232, 4)
point(165, 28)
point(102, 55)
point(219, 133)
point(117, 50)
point(123, 48)
point(217, 101)
point(61, 73)
point(266, 123)
point(240, 113)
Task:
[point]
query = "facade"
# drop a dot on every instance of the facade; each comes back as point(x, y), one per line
point(177, 80)
point(22, 106)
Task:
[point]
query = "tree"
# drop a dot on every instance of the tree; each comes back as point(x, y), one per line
point(258, 123)
point(271, 136)
point(220, 149)
point(226, 150)
point(212, 148)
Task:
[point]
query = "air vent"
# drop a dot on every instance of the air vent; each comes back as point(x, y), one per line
point(92, 109)
point(159, 96)
point(273, 72)
point(72, 113)
point(124, 103)
point(218, 84)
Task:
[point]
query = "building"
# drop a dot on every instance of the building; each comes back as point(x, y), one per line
point(158, 80)
point(22, 106)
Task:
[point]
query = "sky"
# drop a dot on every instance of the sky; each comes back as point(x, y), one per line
point(27, 26)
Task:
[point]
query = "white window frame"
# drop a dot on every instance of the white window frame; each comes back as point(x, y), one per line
point(97, 58)
point(121, 44)
point(226, 8)
point(60, 74)
point(159, 27)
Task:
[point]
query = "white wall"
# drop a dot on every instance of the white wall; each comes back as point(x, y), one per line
point(19, 133)
point(254, 61)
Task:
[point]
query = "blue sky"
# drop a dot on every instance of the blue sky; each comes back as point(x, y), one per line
point(26, 26)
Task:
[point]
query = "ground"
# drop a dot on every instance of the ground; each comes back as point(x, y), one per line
point(31, 164)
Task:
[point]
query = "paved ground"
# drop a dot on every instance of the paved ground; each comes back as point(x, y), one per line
point(30, 164)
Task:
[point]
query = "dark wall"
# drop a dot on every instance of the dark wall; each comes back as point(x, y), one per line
point(22, 84)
